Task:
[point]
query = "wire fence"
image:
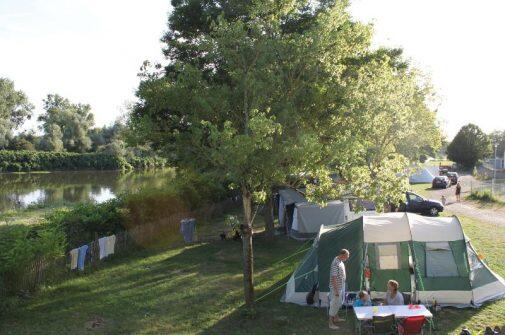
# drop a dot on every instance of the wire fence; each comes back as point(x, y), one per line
point(164, 231)
point(497, 187)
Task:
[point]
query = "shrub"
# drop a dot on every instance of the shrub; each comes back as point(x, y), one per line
point(14, 161)
point(84, 222)
point(20, 245)
point(483, 196)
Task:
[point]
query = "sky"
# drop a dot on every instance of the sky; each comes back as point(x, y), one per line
point(90, 51)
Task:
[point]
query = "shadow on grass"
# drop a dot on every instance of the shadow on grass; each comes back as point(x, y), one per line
point(175, 290)
point(187, 289)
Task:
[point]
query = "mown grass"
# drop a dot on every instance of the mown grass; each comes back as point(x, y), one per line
point(197, 289)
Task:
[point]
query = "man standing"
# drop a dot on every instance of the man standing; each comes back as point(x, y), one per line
point(337, 285)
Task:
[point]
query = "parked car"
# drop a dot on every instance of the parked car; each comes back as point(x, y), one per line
point(441, 182)
point(453, 176)
point(417, 204)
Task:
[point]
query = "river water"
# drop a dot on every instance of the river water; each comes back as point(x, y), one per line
point(20, 190)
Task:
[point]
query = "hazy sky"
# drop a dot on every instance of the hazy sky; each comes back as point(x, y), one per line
point(90, 50)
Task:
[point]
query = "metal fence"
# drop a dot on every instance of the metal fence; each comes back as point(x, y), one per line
point(141, 235)
point(497, 187)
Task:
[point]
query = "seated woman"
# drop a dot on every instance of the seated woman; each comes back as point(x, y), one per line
point(393, 297)
point(364, 300)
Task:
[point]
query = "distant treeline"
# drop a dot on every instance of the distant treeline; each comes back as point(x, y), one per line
point(18, 161)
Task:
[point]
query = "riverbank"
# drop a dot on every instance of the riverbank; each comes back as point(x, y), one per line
point(17, 161)
point(33, 214)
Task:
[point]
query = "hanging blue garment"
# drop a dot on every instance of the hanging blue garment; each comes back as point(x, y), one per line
point(81, 257)
point(188, 229)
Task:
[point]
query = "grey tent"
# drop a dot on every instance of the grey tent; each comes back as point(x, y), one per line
point(309, 217)
point(287, 199)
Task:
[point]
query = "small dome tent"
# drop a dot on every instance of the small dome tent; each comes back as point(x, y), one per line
point(423, 175)
point(430, 257)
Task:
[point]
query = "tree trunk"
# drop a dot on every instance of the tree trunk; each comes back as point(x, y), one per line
point(269, 218)
point(247, 247)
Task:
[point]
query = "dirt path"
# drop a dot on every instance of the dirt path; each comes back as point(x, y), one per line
point(493, 215)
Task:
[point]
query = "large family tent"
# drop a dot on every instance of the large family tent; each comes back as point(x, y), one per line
point(430, 257)
point(287, 199)
point(309, 217)
point(423, 175)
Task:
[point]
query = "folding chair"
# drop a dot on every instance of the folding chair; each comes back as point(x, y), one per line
point(412, 325)
point(383, 325)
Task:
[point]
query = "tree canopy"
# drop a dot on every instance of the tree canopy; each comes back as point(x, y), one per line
point(14, 110)
point(284, 89)
point(469, 146)
point(66, 125)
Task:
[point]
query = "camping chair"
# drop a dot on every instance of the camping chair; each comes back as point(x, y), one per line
point(349, 299)
point(407, 298)
point(383, 325)
point(412, 325)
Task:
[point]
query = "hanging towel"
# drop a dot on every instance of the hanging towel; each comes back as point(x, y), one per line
point(111, 242)
point(82, 257)
point(281, 211)
point(102, 243)
point(73, 258)
point(188, 229)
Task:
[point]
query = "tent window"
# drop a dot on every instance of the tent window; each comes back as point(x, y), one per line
point(388, 258)
point(440, 260)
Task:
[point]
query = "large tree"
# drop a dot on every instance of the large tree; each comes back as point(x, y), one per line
point(469, 146)
point(14, 110)
point(67, 123)
point(286, 88)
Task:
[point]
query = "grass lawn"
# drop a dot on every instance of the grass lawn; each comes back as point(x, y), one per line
point(198, 289)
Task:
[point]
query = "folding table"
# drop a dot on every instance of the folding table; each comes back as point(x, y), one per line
point(364, 314)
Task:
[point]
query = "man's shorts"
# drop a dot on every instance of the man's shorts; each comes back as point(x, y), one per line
point(335, 303)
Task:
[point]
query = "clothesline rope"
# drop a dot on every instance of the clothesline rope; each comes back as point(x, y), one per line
point(281, 286)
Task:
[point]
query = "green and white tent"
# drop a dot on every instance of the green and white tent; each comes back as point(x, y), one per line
point(308, 218)
point(430, 257)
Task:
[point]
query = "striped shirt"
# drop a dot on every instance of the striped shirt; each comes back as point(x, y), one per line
point(337, 270)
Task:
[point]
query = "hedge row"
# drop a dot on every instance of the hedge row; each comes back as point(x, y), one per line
point(17, 161)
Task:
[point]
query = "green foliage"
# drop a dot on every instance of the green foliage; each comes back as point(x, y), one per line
point(483, 196)
point(14, 161)
point(14, 110)
point(21, 144)
point(84, 222)
point(188, 191)
point(311, 100)
point(66, 122)
point(52, 140)
point(20, 245)
point(469, 146)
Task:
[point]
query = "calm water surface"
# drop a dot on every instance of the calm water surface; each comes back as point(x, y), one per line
point(20, 190)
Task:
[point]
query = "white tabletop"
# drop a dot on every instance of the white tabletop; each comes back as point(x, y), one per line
point(400, 312)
